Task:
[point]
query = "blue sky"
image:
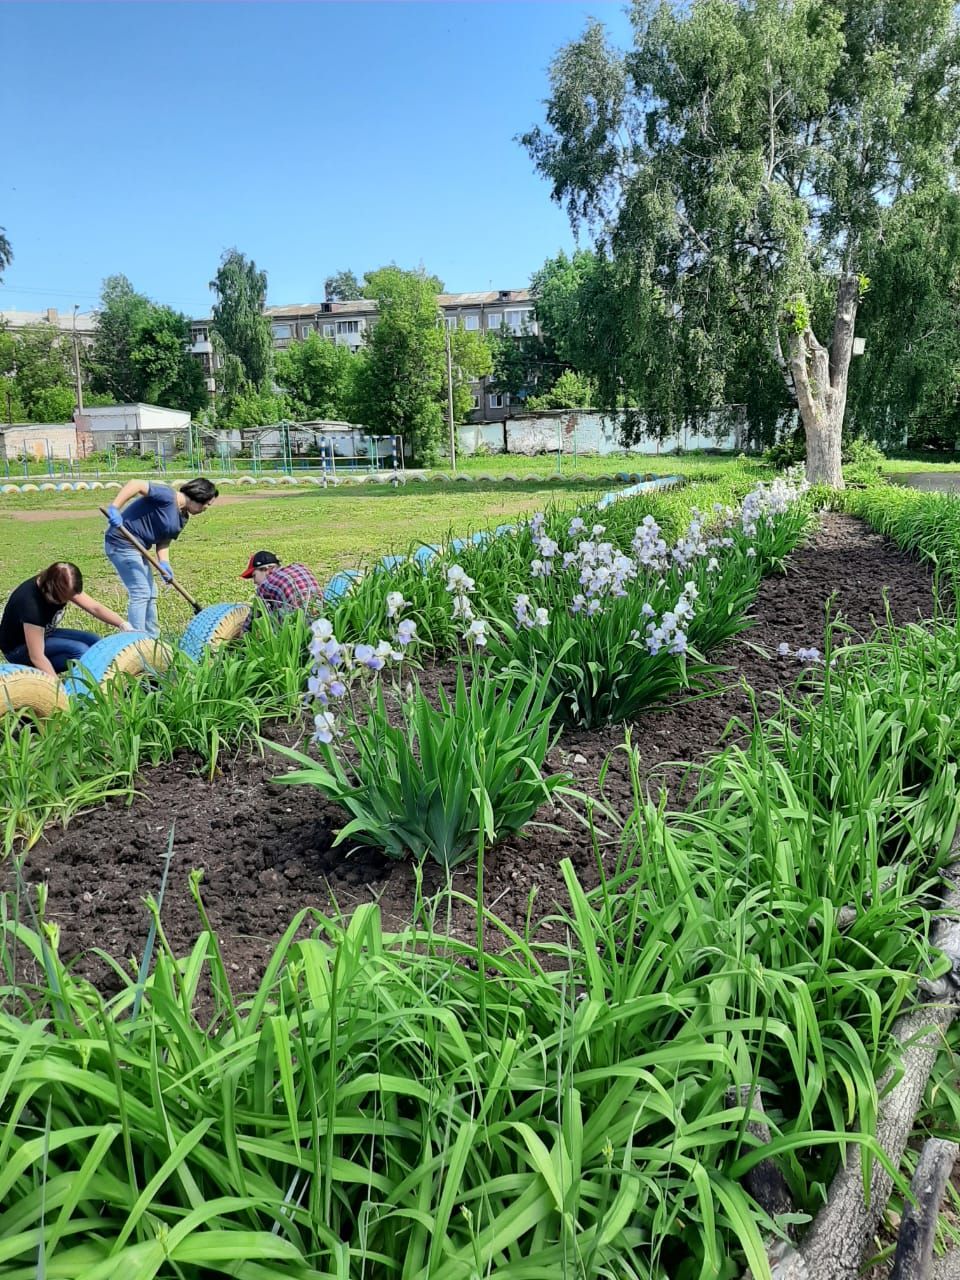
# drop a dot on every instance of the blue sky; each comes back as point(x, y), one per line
point(145, 138)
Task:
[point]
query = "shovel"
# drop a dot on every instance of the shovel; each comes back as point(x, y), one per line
point(153, 562)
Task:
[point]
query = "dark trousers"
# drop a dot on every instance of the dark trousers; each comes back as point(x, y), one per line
point(61, 647)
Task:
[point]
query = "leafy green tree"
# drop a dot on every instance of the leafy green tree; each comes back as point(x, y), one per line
point(6, 253)
point(342, 286)
point(400, 380)
point(316, 375)
point(252, 408)
point(169, 375)
point(37, 367)
point(239, 325)
point(907, 384)
point(120, 316)
point(140, 351)
point(737, 166)
point(470, 361)
point(570, 391)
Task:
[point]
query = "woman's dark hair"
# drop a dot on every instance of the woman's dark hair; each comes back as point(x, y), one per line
point(61, 581)
point(200, 490)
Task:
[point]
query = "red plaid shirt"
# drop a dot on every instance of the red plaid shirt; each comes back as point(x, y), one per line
point(288, 587)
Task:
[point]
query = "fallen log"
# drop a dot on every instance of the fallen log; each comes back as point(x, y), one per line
point(764, 1181)
point(918, 1226)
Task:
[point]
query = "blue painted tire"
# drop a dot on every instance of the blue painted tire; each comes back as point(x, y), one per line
point(132, 653)
point(423, 555)
point(339, 585)
point(390, 562)
point(212, 627)
point(27, 689)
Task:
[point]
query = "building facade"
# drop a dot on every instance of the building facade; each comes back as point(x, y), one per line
point(84, 324)
point(347, 324)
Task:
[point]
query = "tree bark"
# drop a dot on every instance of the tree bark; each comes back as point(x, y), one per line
point(820, 378)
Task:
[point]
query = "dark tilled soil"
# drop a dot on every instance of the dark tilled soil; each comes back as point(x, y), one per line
point(266, 850)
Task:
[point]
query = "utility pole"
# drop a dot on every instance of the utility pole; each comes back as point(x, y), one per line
point(453, 441)
point(76, 362)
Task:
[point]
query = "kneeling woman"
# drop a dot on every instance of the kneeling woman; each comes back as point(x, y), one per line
point(30, 633)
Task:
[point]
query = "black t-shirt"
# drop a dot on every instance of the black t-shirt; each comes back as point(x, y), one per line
point(28, 604)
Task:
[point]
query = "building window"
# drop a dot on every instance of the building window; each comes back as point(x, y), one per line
point(471, 322)
point(495, 400)
point(451, 322)
point(200, 335)
point(306, 330)
point(281, 330)
point(476, 400)
point(514, 320)
point(348, 326)
point(328, 331)
point(494, 320)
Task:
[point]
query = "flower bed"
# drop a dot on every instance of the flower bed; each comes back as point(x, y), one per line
point(492, 1099)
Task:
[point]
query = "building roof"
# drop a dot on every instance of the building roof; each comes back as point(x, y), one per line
point(120, 410)
point(316, 310)
point(86, 321)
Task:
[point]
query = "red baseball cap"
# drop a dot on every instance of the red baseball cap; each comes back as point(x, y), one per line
point(259, 560)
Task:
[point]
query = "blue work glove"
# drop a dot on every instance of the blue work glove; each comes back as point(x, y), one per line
point(114, 516)
point(166, 573)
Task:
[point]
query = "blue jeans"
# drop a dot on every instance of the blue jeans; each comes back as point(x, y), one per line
point(61, 647)
point(141, 587)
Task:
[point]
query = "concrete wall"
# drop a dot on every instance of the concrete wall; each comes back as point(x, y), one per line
point(34, 439)
point(580, 431)
point(130, 418)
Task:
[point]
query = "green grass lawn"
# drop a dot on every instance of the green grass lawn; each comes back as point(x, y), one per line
point(327, 529)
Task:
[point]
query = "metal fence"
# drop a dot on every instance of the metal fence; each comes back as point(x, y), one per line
point(282, 449)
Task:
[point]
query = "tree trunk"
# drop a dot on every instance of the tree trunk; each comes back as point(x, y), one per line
point(820, 378)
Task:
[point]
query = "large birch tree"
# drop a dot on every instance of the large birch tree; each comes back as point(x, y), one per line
point(737, 166)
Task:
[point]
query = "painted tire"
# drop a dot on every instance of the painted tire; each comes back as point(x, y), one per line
point(212, 627)
point(29, 488)
point(48, 487)
point(27, 689)
point(339, 585)
point(423, 555)
point(80, 486)
point(388, 563)
point(132, 653)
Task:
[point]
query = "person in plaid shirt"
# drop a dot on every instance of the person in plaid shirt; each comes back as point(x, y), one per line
point(282, 588)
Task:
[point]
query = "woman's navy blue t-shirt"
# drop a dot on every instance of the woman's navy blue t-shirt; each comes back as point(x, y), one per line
point(154, 518)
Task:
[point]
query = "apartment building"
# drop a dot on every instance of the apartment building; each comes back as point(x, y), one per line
point(84, 324)
point(347, 323)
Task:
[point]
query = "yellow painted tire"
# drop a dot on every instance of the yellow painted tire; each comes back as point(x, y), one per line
point(27, 689)
point(128, 653)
